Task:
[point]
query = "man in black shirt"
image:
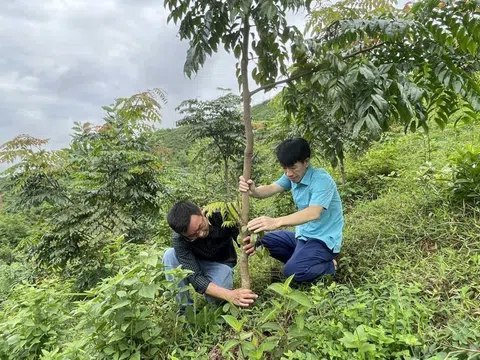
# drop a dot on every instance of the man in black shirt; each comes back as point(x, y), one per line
point(202, 245)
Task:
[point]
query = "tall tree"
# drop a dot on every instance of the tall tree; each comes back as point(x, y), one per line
point(220, 121)
point(407, 66)
point(245, 27)
point(331, 135)
point(105, 185)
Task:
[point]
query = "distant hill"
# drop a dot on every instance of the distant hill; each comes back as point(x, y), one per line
point(263, 112)
point(175, 138)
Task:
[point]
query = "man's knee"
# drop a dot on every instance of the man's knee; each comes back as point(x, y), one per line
point(273, 238)
point(227, 279)
point(301, 274)
point(223, 276)
point(170, 259)
point(306, 273)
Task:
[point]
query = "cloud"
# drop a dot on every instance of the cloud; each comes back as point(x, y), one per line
point(63, 59)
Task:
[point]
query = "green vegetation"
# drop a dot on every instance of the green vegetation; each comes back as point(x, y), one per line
point(407, 286)
point(83, 229)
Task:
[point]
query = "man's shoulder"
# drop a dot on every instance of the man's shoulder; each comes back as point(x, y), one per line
point(321, 175)
point(177, 238)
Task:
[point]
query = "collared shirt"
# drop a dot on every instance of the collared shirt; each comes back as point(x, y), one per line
point(217, 247)
point(317, 187)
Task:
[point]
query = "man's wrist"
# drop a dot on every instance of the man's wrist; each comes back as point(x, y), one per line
point(228, 295)
point(280, 222)
point(218, 292)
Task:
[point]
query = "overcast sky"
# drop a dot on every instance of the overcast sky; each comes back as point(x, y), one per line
point(62, 60)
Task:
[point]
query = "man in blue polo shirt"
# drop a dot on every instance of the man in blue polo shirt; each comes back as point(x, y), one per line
point(310, 251)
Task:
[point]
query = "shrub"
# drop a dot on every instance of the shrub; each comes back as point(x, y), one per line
point(34, 318)
point(133, 314)
point(466, 174)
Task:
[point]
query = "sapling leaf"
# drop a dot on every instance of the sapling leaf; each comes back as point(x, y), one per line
point(246, 335)
point(229, 345)
point(278, 288)
point(286, 285)
point(234, 323)
point(299, 298)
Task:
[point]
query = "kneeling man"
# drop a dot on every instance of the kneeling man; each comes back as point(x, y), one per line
point(202, 245)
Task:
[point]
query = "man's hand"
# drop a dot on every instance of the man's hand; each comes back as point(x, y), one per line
point(263, 223)
point(246, 185)
point(249, 248)
point(242, 297)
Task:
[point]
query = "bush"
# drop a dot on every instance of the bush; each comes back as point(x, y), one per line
point(13, 274)
point(133, 314)
point(34, 318)
point(466, 173)
point(13, 229)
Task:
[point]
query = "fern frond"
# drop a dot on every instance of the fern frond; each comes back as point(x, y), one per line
point(229, 211)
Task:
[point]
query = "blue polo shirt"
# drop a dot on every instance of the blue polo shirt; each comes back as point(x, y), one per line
point(318, 188)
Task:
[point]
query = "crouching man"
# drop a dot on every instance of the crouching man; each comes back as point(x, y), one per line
point(202, 245)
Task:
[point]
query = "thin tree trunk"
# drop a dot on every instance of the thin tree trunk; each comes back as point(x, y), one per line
point(342, 170)
point(247, 161)
point(227, 184)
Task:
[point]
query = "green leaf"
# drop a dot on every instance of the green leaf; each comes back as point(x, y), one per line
point(269, 314)
point(245, 335)
point(268, 346)
point(108, 350)
point(300, 298)
point(287, 283)
point(367, 73)
point(229, 345)
point(372, 124)
point(130, 281)
point(234, 323)
point(148, 291)
point(237, 51)
point(271, 326)
point(380, 101)
point(151, 260)
point(358, 126)
point(13, 339)
point(409, 339)
point(278, 288)
point(121, 304)
point(300, 321)
point(125, 355)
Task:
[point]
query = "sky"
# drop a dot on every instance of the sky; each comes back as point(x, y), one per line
point(64, 59)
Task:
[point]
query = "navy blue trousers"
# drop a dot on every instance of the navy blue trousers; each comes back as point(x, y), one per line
point(308, 260)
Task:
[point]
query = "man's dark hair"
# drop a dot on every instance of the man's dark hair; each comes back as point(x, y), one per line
point(292, 150)
point(179, 216)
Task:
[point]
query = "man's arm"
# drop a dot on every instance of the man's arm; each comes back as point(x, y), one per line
point(189, 262)
point(265, 223)
point(240, 297)
point(259, 192)
point(201, 284)
point(310, 213)
point(265, 191)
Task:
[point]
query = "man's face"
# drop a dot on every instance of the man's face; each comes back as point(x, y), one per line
point(296, 172)
point(198, 228)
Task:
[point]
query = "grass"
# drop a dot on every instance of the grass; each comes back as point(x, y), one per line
point(405, 244)
point(407, 287)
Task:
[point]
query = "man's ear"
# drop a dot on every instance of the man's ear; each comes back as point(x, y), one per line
point(307, 161)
